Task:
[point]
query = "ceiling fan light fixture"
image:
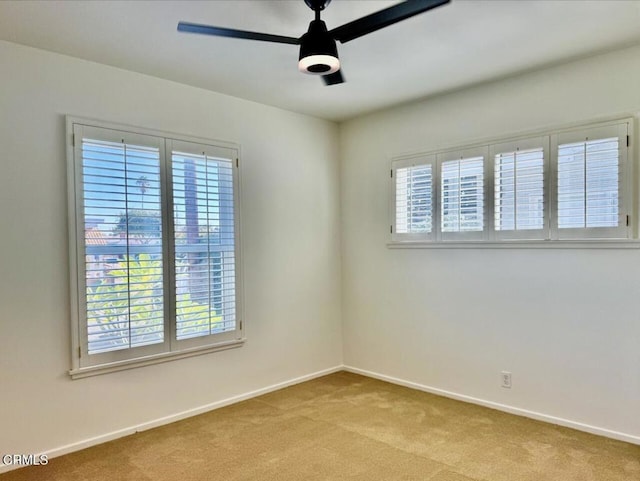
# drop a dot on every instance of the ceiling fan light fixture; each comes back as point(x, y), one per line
point(319, 64)
point(318, 51)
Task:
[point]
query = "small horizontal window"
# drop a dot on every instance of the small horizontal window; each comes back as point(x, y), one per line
point(567, 185)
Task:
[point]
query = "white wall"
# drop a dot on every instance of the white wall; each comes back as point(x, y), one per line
point(566, 323)
point(290, 215)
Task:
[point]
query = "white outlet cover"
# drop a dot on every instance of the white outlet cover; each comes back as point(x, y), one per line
point(506, 379)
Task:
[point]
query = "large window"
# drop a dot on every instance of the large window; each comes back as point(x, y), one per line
point(154, 246)
point(573, 184)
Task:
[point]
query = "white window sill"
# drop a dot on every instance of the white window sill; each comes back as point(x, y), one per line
point(521, 244)
point(88, 371)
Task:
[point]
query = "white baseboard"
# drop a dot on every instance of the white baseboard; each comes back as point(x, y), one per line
point(629, 438)
point(103, 438)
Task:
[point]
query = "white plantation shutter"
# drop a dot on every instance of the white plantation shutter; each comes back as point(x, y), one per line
point(413, 199)
point(155, 250)
point(590, 183)
point(519, 201)
point(588, 175)
point(204, 239)
point(413, 187)
point(462, 196)
point(121, 226)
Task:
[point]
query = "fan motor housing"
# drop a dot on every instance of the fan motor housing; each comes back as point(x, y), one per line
point(316, 5)
point(318, 51)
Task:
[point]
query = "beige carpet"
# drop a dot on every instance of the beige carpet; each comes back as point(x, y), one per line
point(346, 426)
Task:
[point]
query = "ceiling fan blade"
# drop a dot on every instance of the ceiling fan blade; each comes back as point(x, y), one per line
point(333, 78)
point(383, 18)
point(230, 32)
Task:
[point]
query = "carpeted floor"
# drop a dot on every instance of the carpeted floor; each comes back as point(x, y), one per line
point(346, 426)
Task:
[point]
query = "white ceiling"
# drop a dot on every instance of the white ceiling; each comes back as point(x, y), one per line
point(457, 45)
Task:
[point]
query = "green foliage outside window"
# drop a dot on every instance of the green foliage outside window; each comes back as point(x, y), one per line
point(125, 309)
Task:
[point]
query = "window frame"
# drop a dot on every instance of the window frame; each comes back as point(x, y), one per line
point(624, 236)
point(83, 364)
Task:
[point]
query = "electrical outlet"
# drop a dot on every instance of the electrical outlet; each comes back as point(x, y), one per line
point(506, 379)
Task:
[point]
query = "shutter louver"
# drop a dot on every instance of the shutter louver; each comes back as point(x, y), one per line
point(204, 233)
point(519, 190)
point(123, 245)
point(414, 186)
point(588, 184)
point(462, 195)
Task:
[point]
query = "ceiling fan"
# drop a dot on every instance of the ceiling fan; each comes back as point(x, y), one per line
point(318, 51)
